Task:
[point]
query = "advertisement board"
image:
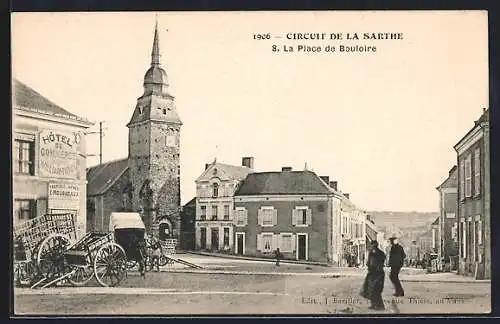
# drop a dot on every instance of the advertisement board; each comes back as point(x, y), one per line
point(64, 196)
point(58, 152)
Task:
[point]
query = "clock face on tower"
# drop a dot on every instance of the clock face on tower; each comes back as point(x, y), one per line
point(170, 140)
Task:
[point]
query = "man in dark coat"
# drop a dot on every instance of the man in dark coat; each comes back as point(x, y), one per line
point(397, 256)
point(374, 281)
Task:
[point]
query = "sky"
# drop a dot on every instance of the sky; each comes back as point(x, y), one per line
point(382, 124)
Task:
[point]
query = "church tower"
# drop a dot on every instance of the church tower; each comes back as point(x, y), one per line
point(153, 145)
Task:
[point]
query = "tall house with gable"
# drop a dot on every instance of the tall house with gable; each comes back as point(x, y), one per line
point(215, 189)
point(474, 198)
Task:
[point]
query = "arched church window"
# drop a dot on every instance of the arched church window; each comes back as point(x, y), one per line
point(216, 190)
point(164, 111)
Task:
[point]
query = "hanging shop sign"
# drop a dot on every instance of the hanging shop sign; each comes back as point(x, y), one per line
point(58, 152)
point(65, 196)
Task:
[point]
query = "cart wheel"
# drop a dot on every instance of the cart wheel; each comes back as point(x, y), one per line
point(83, 274)
point(25, 273)
point(110, 265)
point(50, 255)
point(163, 261)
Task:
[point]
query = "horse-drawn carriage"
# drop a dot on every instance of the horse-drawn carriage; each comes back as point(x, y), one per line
point(46, 251)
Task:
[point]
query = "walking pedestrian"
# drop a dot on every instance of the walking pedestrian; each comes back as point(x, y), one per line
point(277, 255)
point(397, 256)
point(374, 281)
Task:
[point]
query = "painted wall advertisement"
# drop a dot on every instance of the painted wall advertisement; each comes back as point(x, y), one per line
point(58, 152)
point(64, 196)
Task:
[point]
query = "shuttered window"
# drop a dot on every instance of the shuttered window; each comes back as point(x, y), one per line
point(265, 242)
point(287, 242)
point(203, 212)
point(24, 209)
point(214, 212)
point(468, 176)
point(302, 216)
point(462, 179)
point(24, 157)
point(241, 216)
point(267, 216)
point(477, 172)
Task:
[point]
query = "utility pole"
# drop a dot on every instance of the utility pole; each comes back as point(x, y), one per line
point(101, 135)
point(100, 142)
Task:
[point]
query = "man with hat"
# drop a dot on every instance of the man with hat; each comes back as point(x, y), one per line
point(397, 256)
point(374, 281)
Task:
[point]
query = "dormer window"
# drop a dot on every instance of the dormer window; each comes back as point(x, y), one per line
point(215, 192)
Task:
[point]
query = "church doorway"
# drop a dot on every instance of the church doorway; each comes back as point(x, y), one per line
point(164, 230)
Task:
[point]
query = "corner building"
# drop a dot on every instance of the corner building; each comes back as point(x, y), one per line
point(48, 158)
point(474, 198)
point(295, 211)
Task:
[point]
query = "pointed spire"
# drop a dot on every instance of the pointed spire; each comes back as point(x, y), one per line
point(155, 54)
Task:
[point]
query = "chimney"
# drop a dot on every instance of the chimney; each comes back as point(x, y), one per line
point(346, 195)
point(284, 169)
point(207, 165)
point(247, 161)
point(326, 179)
point(333, 185)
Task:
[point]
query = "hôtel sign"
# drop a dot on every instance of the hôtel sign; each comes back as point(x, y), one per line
point(58, 153)
point(64, 196)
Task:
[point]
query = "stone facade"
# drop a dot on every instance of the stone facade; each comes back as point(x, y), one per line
point(148, 181)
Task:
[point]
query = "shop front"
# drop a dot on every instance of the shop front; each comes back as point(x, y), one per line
point(48, 159)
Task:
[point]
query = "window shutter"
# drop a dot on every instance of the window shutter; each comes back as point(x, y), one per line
point(275, 217)
point(259, 242)
point(245, 217)
point(259, 217)
point(309, 216)
point(294, 217)
point(293, 243)
point(280, 242)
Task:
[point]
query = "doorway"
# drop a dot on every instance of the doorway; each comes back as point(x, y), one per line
point(164, 231)
point(240, 243)
point(203, 238)
point(215, 239)
point(301, 246)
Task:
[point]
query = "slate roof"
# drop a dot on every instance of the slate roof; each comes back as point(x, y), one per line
point(288, 182)
point(235, 171)
point(451, 181)
point(26, 98)
point(101, 177)
point(191, 203)
point(485, 117)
